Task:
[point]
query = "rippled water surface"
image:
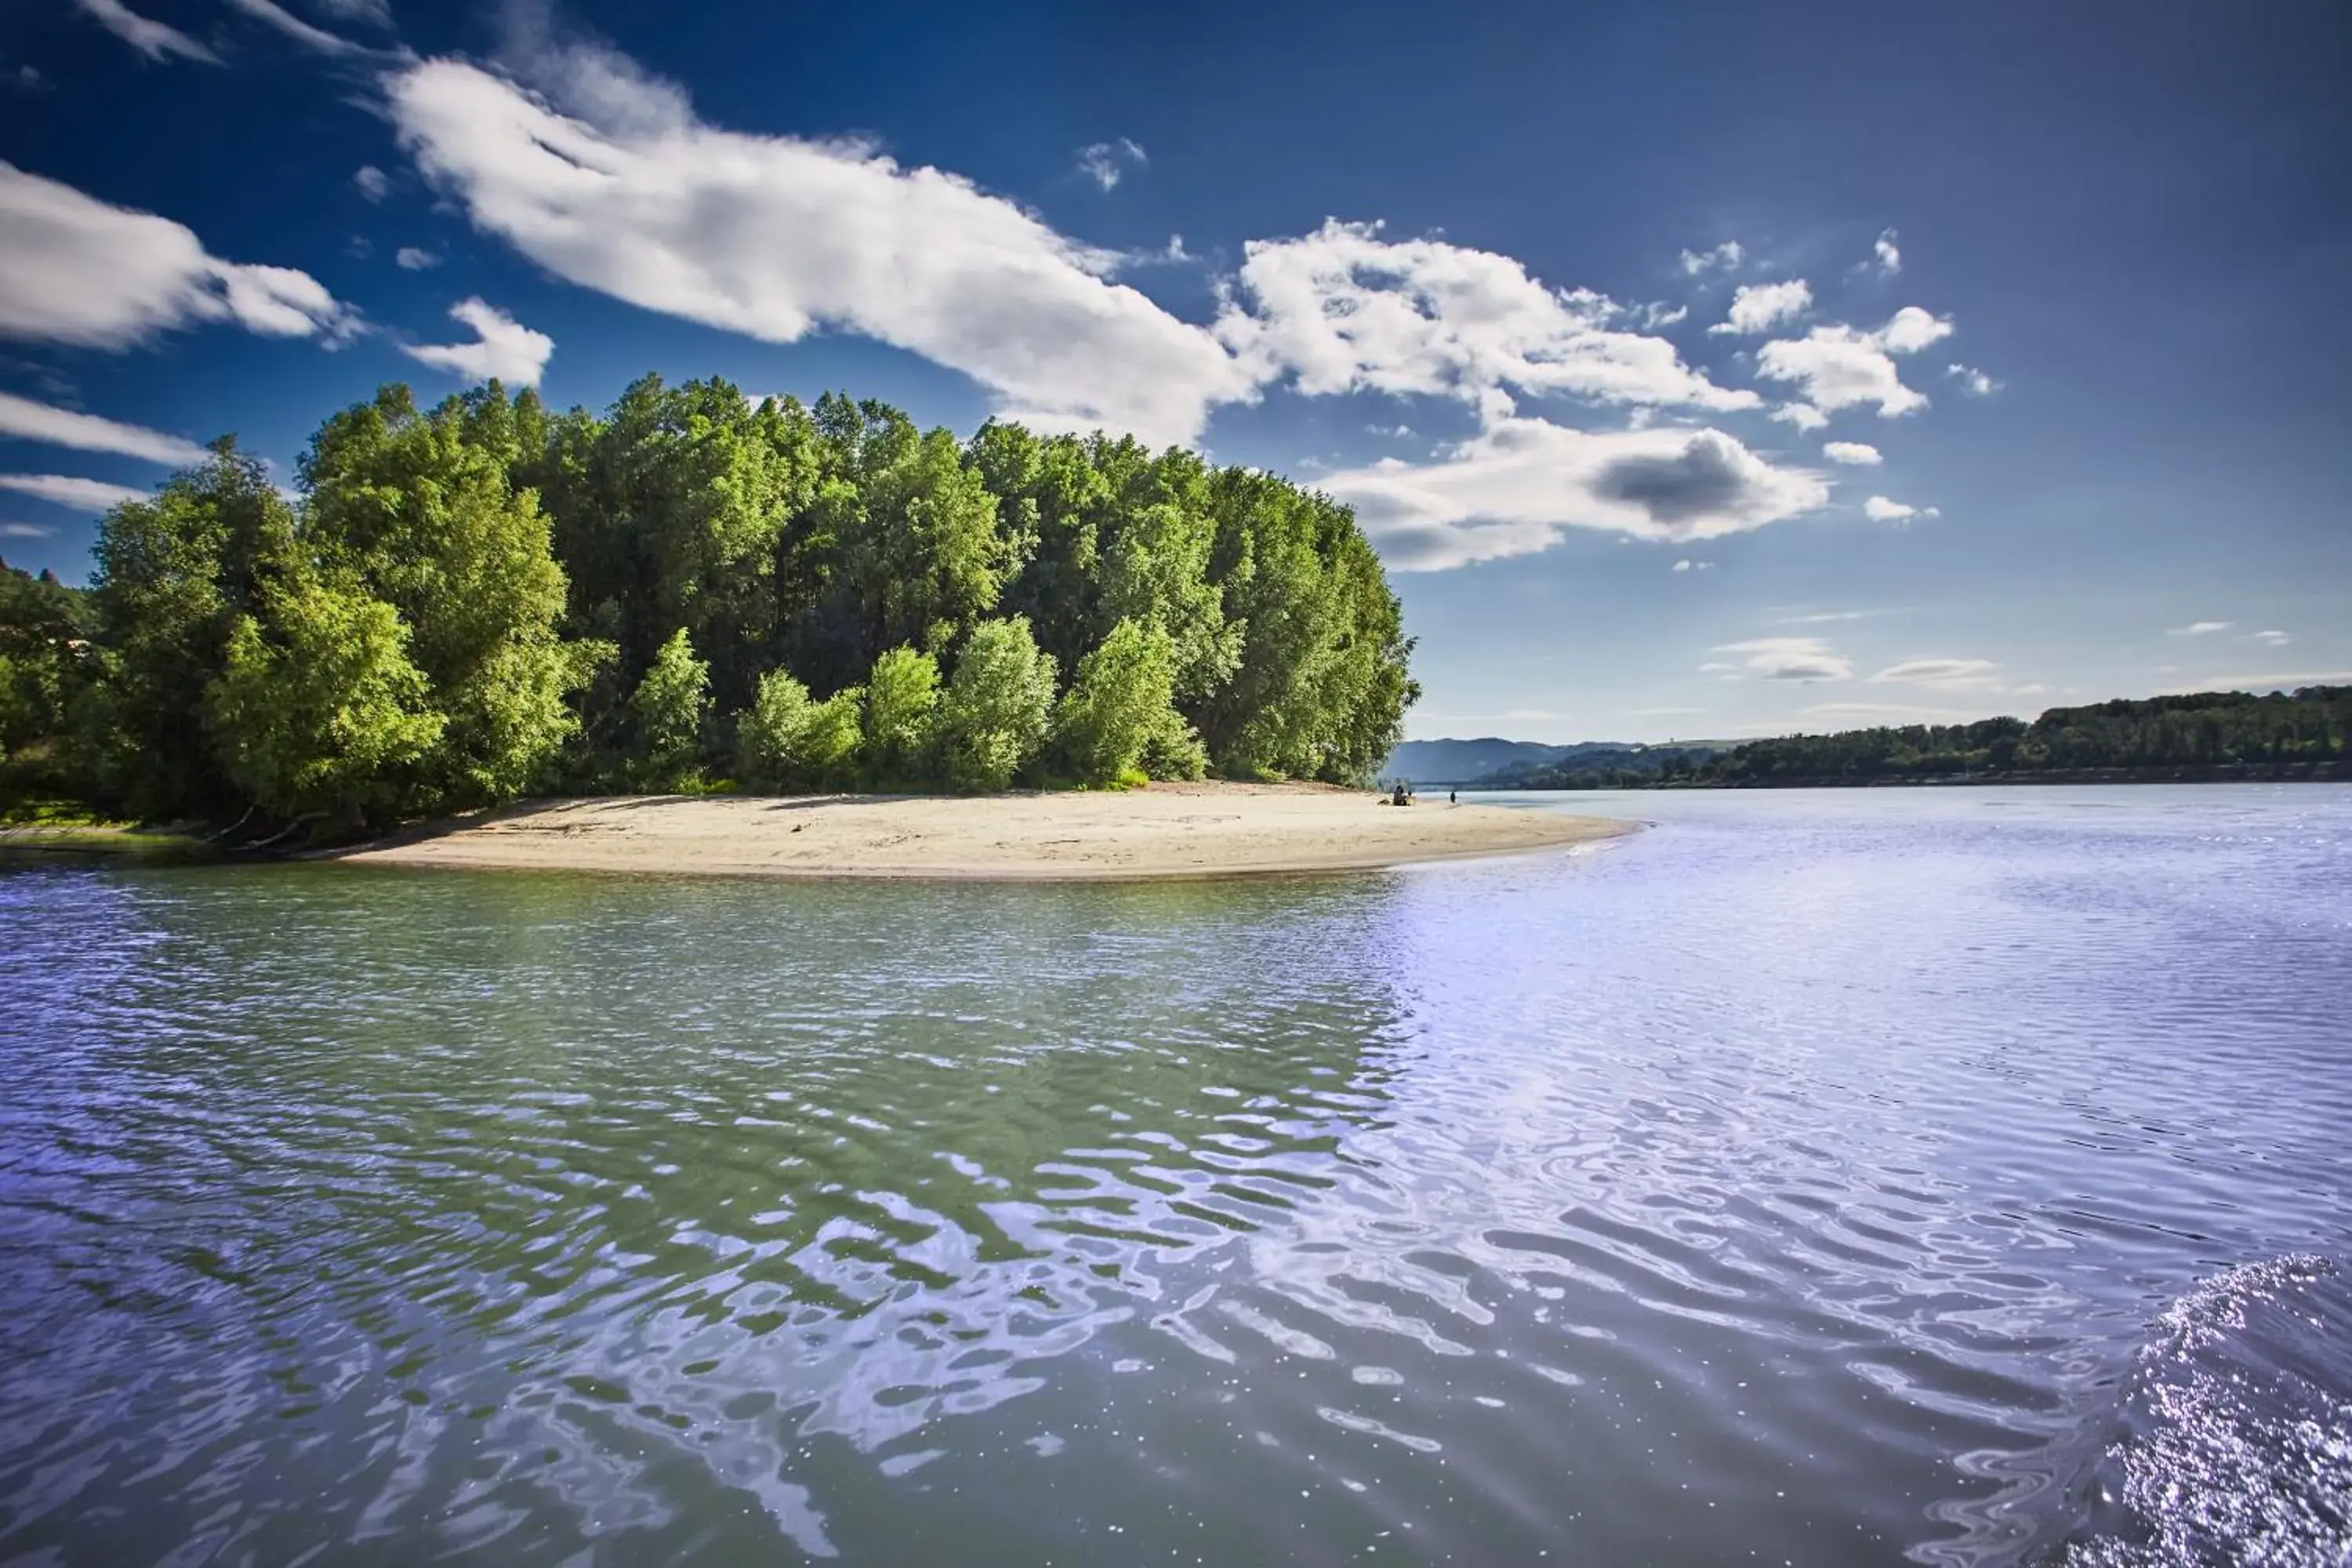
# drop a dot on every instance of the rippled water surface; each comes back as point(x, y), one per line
point(1817, 1178)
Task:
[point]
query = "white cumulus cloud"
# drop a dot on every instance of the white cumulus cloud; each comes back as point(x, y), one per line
point(1516, 488)
point(625, 191)
point(1342, 309)
point(410, 258)
point(1854, 454)
point(1911, 329)
point(31, 421)
point(504, 349)
point(1973, 381)
point(1884, 254)
point(372, 182)
point(1880, 509)
point(1760, 307)
point(1804, 415)
point(1838, 366)
point(88, 495)
point(150, 38)
point(81, 271)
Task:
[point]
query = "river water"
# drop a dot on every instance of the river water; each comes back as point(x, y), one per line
point(1959, 1176)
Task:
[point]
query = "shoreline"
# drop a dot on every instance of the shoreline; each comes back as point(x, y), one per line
point(1159, 832)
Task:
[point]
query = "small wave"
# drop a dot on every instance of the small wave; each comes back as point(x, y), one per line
point(2234, 1444)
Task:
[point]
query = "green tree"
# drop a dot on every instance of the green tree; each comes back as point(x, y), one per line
point(316, 708)
point(901, 694)
point(784, 741)
point(1118, 707)
point(667, 711)
point(672, 511)
point(899, 544)
point(1322, 685)
point(422, 508)
point(174, 576)
point(45, 665)
point(999, 706)
point(591, 599)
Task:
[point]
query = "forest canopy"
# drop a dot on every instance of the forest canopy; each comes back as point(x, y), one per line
point(456, 606)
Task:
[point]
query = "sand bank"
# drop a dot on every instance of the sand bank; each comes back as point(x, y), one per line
point(1166, 831)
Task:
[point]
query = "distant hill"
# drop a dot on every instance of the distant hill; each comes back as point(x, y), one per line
point(1460, 762)
point(1493, 760)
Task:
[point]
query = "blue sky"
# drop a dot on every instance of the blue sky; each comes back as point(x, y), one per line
point(1700, 369)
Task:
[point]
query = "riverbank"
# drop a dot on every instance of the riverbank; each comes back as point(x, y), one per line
point(1165, 830)
point(2320, 771)
point(60, 830)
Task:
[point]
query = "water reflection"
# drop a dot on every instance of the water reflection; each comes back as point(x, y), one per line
point(551, 1190)
point(1798, 1181)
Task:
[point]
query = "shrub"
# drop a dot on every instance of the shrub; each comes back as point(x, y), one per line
point(784, 741)
point(902, 696)
point(1107, 723)
point(667, 709)
point(999, 707)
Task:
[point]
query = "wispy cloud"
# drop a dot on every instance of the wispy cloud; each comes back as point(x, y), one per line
point(314, 39)
point(1107, 163)
point(84, 272)
point(1973, 381)
point(1943, 674)
point(2287, 683)
point(150, 38)
point(1786, 658)
point(1825, 617)
point(27, 420)
point(65, 490)
point(1723, 257)
point(2198, 629)
point(1883, 254)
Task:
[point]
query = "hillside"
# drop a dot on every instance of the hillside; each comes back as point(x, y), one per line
point(1495, 762)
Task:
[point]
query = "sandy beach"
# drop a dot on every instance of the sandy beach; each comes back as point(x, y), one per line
point(1166, 831)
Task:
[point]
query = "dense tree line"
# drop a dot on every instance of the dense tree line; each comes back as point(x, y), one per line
point(460, 605)
point(2211, 734)
point(2205, 731)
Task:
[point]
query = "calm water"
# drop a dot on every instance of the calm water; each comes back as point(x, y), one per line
point(1817, 1178)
